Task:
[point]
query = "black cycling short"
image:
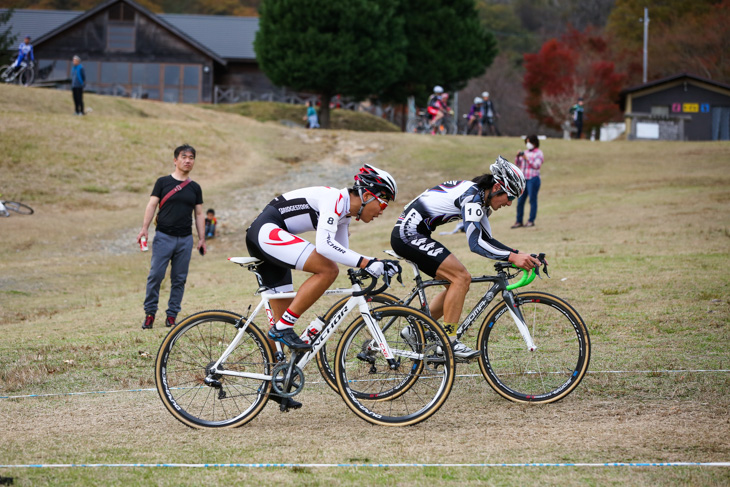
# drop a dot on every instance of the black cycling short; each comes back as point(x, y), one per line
point(421, 249)
point(266, 239)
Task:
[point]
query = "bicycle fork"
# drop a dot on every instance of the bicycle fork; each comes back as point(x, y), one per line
point(519, 320)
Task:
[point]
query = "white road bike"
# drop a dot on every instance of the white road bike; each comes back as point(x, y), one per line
point(217, 368)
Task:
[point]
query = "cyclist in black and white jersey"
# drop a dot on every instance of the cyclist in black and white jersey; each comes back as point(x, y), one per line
point(272, 237)
point(470, 201)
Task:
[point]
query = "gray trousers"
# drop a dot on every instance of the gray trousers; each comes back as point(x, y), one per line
point(177, 251)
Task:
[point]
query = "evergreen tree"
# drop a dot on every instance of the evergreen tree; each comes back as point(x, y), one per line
point(349, 47)
point(447, 46)
point(7, 39)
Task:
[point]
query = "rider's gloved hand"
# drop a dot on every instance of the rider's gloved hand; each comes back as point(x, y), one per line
point(375, 268)
point(392, 267)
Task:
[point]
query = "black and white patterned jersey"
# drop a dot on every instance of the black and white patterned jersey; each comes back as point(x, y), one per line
point(321, 209)
point(451, 201)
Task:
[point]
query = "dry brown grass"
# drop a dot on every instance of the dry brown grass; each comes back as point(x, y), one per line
point(638, 237)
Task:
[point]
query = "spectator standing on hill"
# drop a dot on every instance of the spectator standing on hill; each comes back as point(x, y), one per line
point(529, 161)
point(311, 116)
point(577, 112)
point(78, 81)
point(178, 197)
point(490, 115)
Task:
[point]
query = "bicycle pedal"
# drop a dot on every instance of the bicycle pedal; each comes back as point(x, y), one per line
point(286, 403)
point(436, 359)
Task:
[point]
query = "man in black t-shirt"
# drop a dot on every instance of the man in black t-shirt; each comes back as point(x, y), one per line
point(178, 198)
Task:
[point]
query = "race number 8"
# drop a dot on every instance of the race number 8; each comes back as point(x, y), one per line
point(473, 212)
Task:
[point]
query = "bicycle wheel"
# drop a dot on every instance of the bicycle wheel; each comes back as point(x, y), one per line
point(325, 359)
point(18, 207)
point(547, 374)
point(26, 77)
point(419, 380)
point(181, 367)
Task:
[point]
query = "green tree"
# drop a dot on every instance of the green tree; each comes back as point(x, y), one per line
point(350, 47)
point(7, 39)
point(447, 46)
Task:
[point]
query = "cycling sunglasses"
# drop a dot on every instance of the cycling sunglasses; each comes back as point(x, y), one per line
point(509, 197)
point(383, 203)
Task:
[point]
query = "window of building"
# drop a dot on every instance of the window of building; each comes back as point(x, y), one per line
point(115, 73)
point(53, 69)
point(660, 110)
point(146, 80)
point(121, 12)
point(176, 83)
point(121, 28)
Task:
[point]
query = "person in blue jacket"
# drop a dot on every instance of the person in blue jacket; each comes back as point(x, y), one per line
point(78, 81)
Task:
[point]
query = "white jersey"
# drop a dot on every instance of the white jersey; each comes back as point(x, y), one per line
point(321, 209)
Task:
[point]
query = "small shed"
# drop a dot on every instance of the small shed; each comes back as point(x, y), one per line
point(680, 107)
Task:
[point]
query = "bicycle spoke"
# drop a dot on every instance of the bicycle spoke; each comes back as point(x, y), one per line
point(184, 363)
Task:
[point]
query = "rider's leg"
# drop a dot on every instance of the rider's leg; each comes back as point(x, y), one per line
point(453, 297)
point(435, 121)
point(324, 272)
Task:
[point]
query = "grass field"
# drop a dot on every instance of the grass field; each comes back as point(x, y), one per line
point(637, 235)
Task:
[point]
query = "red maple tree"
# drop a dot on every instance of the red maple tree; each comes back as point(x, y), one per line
point(576, 65)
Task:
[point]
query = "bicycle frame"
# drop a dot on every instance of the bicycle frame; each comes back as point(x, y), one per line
point(500, 284)
point(301, 360)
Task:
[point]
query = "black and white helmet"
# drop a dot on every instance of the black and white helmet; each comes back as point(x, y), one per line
point(508, 176)
point(376, 181)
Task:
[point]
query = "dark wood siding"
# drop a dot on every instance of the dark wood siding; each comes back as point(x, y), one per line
point(152, 44)
point(682, 96)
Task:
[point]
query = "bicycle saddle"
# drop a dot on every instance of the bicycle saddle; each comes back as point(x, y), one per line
point(245, 260)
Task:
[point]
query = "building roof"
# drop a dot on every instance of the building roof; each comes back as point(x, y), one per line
point(670, 79)
point(227, 37)
point(230, 37)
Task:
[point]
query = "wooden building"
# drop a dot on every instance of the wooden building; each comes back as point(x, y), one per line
point(681, 107)
point(128, 50)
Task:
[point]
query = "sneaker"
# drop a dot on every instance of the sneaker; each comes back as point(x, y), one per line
point(462, 351)
point(289, 338)
point(170, 321)
point(409, 335)
point(148, 320)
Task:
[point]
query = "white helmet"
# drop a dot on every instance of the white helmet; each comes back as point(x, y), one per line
point(377, 181)
point(438, 90)
point(485, 94)
point(478, 100)
point(508, 176)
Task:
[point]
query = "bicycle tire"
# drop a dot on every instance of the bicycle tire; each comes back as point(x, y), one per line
point(408, 394)
point(26, 77)
point(21, 208)
point(3, 71)
point(325, 360)
point(549, 373)
point(180, 368)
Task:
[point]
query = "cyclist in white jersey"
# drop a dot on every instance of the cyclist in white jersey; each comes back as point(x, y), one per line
point(470, 201)
point(272, 237)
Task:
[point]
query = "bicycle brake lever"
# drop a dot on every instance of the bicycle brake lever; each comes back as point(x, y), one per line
point(541, 258)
